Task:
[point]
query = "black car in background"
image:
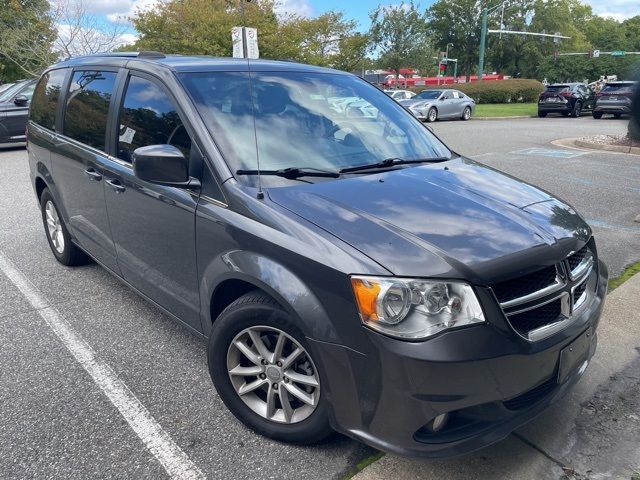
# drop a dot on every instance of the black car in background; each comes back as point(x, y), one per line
point(566, 99)
point(615, 98)
point(14, 111)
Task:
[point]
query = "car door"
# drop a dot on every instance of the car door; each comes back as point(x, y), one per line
point(153, 225)
point(78, 158)
point(17, 114)
point(446, 105)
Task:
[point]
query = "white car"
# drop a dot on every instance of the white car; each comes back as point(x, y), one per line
point(400, 94)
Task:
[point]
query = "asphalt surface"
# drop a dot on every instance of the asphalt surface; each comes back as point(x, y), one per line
point(56, 422)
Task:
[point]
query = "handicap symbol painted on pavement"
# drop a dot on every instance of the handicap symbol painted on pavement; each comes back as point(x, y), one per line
point(546, 152)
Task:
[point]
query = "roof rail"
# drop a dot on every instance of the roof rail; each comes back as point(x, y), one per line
point(150, 54)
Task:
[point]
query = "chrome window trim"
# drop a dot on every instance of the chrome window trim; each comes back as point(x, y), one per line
point(213, 201)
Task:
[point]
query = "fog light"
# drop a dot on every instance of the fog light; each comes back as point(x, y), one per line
point(438, 423)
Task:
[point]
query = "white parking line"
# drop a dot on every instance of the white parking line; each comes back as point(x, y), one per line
point(157, 441)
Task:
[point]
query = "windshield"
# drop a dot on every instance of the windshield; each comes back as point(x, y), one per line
point(305, 120)
point(8, 94)
point(429, 94)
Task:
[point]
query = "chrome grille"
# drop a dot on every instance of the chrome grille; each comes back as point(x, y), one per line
point(535, 318)
point(543, 302)
point(525, 285)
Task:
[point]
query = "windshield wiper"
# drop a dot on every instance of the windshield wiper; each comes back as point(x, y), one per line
point(392, 162)
point(292, 173)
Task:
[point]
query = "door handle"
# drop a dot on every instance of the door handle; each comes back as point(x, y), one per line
point(116, 185)
point(92, 174)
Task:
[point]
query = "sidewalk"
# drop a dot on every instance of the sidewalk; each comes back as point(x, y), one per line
point(593, 433)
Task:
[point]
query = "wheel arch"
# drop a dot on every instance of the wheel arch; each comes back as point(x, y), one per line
point(238, 272)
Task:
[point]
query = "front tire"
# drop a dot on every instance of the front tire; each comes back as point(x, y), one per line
point(542, 114)
point(264, 372)
point(597, 115)
point(65, 251)
point(432, 115)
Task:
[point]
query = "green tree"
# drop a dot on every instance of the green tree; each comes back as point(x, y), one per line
point(457, 22)
point(400, 35)
point(26, 39)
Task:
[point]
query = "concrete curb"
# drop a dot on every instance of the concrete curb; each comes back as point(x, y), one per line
point(542, 448)
point(608, 148)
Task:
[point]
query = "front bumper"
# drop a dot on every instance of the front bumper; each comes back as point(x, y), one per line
point(488, 379)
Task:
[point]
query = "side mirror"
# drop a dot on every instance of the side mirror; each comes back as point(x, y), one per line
point(162, 164)
point(21, 100)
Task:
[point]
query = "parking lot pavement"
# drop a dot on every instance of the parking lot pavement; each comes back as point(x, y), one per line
point(57, 422)
point(604, 187)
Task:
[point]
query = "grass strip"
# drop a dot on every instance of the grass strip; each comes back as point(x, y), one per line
point(506, 109)
point(364, 464)
point(628, 272)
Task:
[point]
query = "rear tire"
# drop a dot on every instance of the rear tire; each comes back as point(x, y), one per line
point(432, 115)
point(257, 314)
point(466, 114)
point(577, 110)
point(542, 114)
point(65, 251)
point(617, 115)
point(597, 115)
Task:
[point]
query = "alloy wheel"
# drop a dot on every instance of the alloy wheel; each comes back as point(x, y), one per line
point(54, 226)
point(273, 374)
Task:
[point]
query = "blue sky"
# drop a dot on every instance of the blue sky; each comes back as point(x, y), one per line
point(110, 10)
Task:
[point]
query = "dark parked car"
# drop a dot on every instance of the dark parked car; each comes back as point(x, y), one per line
point(349, 273)
point(567, 99)
point(615, 98)
point(14, 111)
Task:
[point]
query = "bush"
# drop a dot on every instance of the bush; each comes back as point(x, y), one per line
point(521, 90)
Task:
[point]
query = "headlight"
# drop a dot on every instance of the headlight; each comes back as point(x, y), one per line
point(415, 308)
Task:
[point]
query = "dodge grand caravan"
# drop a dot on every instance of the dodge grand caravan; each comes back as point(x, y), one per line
point(349, 271)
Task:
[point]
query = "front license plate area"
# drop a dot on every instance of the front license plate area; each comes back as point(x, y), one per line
point(574, 355)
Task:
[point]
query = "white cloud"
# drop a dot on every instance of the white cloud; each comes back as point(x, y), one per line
point(296, 7)
point(130, 10)
point(618, 9)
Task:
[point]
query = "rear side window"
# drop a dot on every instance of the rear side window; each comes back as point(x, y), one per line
point(85, 117)
point(149, 117)
point(45, 98)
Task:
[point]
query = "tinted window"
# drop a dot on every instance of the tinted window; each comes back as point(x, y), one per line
point(558, 88)
point(149, 117)
point(306, 120)
point(85, 117)
point(618, 88)
point(28, 91)
point(45, 98)
point(429, 94)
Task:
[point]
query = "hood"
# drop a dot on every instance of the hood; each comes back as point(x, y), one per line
point(415, 101)
point(459, 219)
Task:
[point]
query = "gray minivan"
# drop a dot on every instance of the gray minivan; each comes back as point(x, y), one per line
point(349, 271)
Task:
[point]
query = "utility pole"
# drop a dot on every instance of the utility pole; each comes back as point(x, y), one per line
point(483, 42)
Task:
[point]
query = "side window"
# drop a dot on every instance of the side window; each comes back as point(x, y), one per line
point(85, 117)
point(45, 98)
point(148, 116)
